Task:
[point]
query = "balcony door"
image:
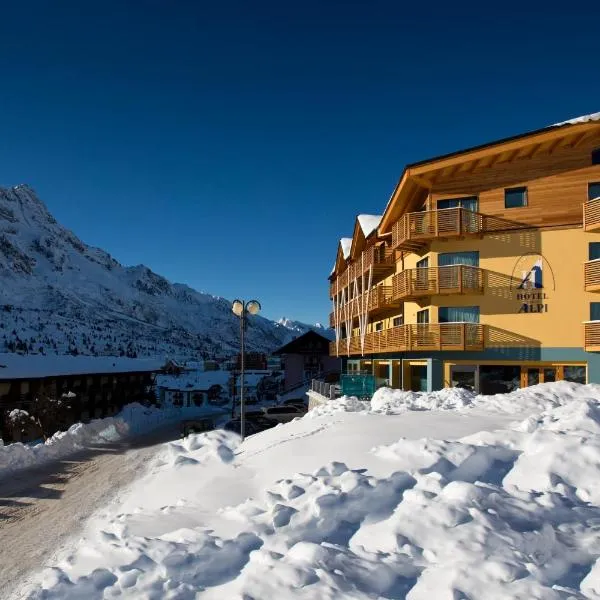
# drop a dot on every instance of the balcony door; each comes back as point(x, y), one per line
point(468, 220)
point(422, 275)
point(469, 203)
point(449, 278)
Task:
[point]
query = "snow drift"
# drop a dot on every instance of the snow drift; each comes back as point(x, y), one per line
point(509, 511)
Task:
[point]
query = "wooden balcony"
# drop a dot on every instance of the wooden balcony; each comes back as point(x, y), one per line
point(417, 337)
point(591, 336)
point(380, 258)
point(413, 231)
point(431, 281)
point(591, 215)
point(378, 300)
point(592, 276)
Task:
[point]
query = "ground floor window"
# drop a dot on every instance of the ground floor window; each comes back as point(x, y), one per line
point(499, 379)
point(574, 373)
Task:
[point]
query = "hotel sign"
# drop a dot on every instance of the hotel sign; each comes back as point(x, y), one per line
point(533, 279)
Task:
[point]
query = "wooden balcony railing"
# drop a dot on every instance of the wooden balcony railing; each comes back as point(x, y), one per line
point(414, 230)
point(379, 298)
point(591, 336)
point(591, 215)
point(592, 276)
point(417, 337)
point(381, 258)
point(454, 279)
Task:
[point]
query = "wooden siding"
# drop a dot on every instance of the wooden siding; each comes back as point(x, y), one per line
point(556, 185)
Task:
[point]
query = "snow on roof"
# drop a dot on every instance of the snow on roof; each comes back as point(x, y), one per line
point(194, 380)
point(582, 119)
point(18, 366)
point(346, 244)
point(369, 223)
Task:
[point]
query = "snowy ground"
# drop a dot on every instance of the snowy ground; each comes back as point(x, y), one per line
point(443, 496)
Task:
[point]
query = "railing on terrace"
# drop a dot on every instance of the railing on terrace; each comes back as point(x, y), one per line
point(415, 337)
point(591, 215)
point(592, 336)
point(380, 257)
point(415, 230)
point(380, 297)
point(454, 279)
point(328, 390)
point(592, 276)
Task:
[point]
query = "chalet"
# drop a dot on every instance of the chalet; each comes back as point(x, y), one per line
point(483, 270)
point(306, 357)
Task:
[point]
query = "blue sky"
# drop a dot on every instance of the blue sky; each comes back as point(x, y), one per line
point(230, 145)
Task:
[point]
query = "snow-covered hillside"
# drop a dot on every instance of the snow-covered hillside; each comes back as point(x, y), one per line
point(442, 496)
point(58, 295)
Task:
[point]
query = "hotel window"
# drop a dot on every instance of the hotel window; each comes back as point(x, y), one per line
point(458, 314)
point(379, 326)
point(574, 373)
point(423, 316)
point(594, 311)
point(398, 321)
point(468, 203)
point(594, 190)
point(594, 250)
point(448, 259)
point(515, 197)
point(596, 156)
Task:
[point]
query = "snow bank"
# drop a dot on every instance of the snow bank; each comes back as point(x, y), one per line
point(499, 514)
point(533, 399)
point(134, 419)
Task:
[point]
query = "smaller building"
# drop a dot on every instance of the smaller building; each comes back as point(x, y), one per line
point(96, 386)
point(307, 357)
point(194, 389)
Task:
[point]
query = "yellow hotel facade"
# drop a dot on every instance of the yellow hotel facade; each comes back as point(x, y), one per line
point(483, 270)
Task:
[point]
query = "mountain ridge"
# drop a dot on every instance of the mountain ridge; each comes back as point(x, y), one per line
point(59, 295)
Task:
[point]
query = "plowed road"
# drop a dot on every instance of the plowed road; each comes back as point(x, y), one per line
point(41, 508)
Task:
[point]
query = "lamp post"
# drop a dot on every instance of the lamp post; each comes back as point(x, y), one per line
point(242, 309)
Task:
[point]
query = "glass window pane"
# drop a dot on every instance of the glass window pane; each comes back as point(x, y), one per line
point(458, 258)
point(576, 374)
point(593, 190)
point(596, 156)
point(469, 203)
point(533, 376)
point(515, 197)
point(458, 314)
point(594, 311)
point(594, 250)
point(549, 374)
point(423, 316)
point(499, 379)
point(423, 263)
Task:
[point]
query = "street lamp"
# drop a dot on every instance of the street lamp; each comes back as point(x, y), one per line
point(242, 309)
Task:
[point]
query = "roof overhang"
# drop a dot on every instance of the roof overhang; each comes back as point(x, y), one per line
point(418, 178)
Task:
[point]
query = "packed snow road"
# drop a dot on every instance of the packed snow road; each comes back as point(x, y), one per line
point(40, 508)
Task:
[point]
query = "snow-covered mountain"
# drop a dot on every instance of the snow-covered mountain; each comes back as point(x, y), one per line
point(59, 295)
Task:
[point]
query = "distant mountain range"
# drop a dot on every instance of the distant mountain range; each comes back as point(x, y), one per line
point(59, 295)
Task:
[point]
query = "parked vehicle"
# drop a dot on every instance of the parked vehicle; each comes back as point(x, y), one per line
point(284, 414)
point(262, 422)
point(196, 426)
point(235, 425)
point(295, 402)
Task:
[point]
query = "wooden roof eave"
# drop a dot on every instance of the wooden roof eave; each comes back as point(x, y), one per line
point(418, 178)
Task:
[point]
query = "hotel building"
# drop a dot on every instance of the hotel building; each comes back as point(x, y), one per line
point(482, 272)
